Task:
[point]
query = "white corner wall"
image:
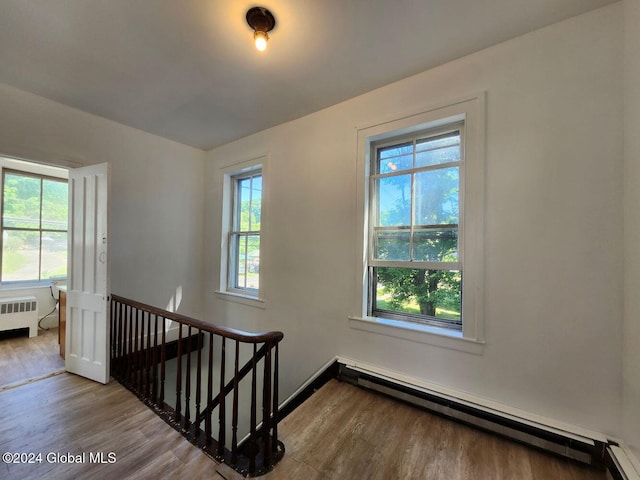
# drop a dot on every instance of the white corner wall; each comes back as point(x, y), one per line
point(554, 264)
point(156, 193)
point(631, 349)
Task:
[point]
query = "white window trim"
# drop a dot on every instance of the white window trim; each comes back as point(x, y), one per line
point(228, 172)
point(471, 110)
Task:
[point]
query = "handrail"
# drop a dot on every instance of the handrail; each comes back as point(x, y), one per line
point(146, 356)
point(232, 333)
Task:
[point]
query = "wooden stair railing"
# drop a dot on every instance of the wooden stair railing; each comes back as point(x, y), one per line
point(146, 349)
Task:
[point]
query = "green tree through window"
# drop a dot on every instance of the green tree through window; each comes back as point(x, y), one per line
point(34, 227)
point(414, 255)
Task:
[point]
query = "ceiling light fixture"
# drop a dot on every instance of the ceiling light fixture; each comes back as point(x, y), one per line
point(262, 21)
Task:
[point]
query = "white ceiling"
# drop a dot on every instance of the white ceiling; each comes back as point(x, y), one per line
point(187, 69)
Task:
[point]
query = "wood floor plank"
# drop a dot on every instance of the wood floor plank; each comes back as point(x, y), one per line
point(344, 432)
point(341, 432)
point(83, 416)
point(22, 357)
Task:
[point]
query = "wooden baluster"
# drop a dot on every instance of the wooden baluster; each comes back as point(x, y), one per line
point(128, 347)
point(187, 387)
point(112, 332)
point(253, 441)
point(179, 374)
point(120, 320)
point(148, 357)
point(266, 409)
point(221, 407)
point(114, 336)
point(274, 443)
point(234, 422)
point(141, 357)
point(154, 388)
point(163, 356)
point(135, 359)
point(207, 420)
point(199, 380)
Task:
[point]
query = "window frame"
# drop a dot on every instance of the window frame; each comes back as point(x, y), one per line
point(15, 170)
point(471, 110)
point(224, 195)
point(235, 231)
point(374, 263)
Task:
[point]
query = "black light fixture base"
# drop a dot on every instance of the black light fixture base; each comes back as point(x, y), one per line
point(260, 19)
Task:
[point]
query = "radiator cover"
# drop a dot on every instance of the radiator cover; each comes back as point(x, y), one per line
point(19, 312)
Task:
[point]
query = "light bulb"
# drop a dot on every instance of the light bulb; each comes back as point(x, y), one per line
point(261, 40)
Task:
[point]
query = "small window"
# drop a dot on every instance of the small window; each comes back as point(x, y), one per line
point(34, 227)
point(244, 233)
point(415, 256)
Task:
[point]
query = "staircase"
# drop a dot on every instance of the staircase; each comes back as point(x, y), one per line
point(217, 386)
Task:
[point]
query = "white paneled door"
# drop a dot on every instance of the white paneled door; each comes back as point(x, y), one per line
point(87, 338)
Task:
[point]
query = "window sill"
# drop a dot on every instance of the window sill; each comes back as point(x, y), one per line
point(414, 332)
point(7, 287)
point(240, 298)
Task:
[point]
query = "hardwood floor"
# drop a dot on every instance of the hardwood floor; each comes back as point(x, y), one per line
point(67, 414)
point(344, 432)
point(341, 432)
point(23, 358)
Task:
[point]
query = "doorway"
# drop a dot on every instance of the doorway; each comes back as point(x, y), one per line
point(33, 265)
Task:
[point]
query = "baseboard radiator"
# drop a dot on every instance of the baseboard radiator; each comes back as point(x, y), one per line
point(602, 453)
point(19, 312)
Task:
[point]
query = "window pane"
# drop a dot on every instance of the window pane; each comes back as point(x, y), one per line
point(436, 194)
point(436, 245)
point(54, 205)
point(430, 293)
point(21, 201)
point(253, 261)
point(243, 206)
point(248, 206)
point(240, 262)
point(392, 245)
point(247, 262)
point(437, 150)
point(396, 157)
point(256, 202)
point(394, 201)
point(20, 255)
point(54, 254)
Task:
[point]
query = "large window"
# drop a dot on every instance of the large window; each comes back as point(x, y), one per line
point(244, 233)
point(415, 267)
point(34, 227)
point(420, 196)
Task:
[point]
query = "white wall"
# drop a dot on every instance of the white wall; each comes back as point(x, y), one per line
point(631, 351)
point(156, 193)
point(553, 322)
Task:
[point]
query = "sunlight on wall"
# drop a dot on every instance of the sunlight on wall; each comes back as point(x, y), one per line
point(173, 305)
